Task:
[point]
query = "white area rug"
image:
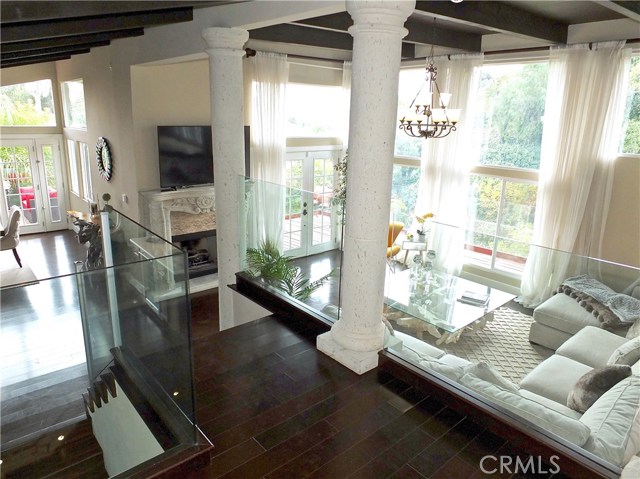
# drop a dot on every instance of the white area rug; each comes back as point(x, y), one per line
point(13, 276)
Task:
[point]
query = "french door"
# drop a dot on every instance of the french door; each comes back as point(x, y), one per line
point(311, 224)
point(32, 178)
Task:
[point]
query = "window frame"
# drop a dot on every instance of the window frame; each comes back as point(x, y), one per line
point(85, 168)
point(67, 118)
point(72, 157)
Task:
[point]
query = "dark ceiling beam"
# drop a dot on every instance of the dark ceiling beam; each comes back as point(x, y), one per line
point(628, 9)
point(315, 37)
point(66, 50)
point(420, 32)
point(69, 41)
point(33, 60)
point(14, 32)
point(498, 17)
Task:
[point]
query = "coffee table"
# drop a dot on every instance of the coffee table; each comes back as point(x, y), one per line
point(437, 308)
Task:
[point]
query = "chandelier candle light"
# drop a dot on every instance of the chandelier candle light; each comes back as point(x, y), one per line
point(424, 121)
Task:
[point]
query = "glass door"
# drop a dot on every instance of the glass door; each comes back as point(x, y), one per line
point(310, 220)
point(31, 175)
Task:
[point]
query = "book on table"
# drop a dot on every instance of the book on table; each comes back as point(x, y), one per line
point(473, 297)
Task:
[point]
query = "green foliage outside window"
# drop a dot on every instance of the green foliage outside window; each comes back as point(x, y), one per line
point(27, 104)
point(631, 139)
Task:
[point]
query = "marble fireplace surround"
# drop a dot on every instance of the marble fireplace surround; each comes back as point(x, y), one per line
point(183, 212)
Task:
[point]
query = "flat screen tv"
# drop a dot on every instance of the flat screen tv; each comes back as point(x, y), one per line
point(185, 155)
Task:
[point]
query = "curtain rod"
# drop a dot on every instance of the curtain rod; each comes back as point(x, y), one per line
point(251, 52)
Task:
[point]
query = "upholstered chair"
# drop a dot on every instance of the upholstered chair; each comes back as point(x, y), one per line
point(11, 236)
point(394, 230)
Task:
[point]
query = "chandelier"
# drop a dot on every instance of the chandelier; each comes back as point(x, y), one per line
point(424, 119)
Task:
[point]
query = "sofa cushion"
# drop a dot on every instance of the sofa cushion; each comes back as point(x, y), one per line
point(627, 353)
point(610, 420)
point(591, 346)
point(556, 406)
point(447, 370)
point(634, 330)
point(488, 373)
point(554, 377)
point(454, 360)
point(564, 313)
point(566, 427)
point(632, 469)
point(594, 384)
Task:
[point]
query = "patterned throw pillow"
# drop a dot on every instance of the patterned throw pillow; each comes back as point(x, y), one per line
point(594, 384)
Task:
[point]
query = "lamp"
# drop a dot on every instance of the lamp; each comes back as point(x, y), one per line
point(422, 120)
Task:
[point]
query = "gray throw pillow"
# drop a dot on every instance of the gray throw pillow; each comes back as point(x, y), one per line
point(594, 384)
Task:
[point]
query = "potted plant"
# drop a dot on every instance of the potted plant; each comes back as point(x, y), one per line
point(423, 225)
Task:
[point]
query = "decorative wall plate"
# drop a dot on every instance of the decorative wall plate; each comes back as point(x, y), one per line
point(105, 163)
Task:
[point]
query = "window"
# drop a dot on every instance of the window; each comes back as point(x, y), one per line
point(404, 192)
point(73, 104)
point(503, 186)
point(311, 110)
point(410, 82)
point(86, 171)
point(27, 104)
point(631, 127)
point(73, 167)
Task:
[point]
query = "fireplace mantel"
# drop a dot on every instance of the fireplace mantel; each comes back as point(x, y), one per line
point(180, 212)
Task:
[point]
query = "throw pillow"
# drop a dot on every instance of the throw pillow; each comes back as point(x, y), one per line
point(627, 353)
point(634, 330)
point(594, 384)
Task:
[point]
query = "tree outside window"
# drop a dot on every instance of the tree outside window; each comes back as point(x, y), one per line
point(27, 104)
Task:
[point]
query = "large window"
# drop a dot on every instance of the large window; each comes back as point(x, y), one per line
point(631, 137)
point(74, 179)
point(404, 192)
point(410, 82)
point(73, 104)
point(27, 104)
point(503, 186)
point(85, 160)
point(311, 111)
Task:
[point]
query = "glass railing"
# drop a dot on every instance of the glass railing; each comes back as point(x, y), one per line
point(127, 305)
point(290, 242)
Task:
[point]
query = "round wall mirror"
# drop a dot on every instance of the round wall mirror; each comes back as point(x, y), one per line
point(105, 163)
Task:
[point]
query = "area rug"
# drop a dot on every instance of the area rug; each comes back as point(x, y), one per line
point(11, 277)
point(503, 343)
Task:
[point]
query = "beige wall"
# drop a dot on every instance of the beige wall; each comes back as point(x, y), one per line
point(176, 94)
point(622, 237)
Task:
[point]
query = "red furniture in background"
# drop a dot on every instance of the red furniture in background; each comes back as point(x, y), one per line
point(27, 195)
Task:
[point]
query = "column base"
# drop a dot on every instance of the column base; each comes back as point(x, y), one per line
point(358, 361)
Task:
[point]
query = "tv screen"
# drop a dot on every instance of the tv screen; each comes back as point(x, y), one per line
point(185, 155)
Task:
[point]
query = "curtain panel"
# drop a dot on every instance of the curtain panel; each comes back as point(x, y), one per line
point(582, 126)
point(446, 162)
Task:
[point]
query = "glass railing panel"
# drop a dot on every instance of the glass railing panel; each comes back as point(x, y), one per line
point(291, 242)
point(147, 303)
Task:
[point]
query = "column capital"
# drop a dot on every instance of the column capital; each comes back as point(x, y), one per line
point(225, 41)
point(380, 15)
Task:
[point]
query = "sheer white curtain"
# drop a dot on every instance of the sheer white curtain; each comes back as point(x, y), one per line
point(446, 162)
point(269, 75)
point(582, 123)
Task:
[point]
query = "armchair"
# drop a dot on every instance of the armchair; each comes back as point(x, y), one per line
point(394, 230)
point(11, 236)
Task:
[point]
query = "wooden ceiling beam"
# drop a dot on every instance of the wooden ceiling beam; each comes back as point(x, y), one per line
point(497, 17)
point(315, 37)
point(33, 60)
point(420, 31)
point(70, 40)
point(630, 10)
point(67, 50)
point(14, 32)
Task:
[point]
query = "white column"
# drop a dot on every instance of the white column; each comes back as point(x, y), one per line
point(225, 50)
point(377, 40)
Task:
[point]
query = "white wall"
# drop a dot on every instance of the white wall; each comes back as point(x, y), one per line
point(125, 439)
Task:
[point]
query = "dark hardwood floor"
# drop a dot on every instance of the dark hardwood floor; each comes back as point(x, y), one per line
point(276, 407)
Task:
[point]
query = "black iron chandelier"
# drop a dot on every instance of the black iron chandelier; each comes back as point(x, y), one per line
point(424, 120)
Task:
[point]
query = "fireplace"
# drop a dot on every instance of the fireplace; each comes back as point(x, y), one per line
point(187, 218)
point(201, 249)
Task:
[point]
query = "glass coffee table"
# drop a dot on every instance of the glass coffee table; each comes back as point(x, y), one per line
point(445, 305)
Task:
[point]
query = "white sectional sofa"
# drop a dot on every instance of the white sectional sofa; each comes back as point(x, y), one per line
point(610, 428)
